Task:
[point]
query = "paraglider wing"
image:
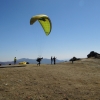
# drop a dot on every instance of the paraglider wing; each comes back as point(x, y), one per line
point(45, 22)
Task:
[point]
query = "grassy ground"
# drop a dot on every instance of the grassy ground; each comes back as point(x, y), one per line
point(64, 81)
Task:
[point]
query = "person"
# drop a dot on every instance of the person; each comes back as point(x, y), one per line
point(14, 60)
point(39, 61)
point(54, 60)
point(51, 59)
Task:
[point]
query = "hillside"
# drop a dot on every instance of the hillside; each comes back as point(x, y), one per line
point(63, 81)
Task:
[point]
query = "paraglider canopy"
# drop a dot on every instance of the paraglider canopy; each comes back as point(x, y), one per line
point(45, 22)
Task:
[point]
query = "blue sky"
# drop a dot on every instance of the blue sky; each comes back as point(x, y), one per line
point(75, 29)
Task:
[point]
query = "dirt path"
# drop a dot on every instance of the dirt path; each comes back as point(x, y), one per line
point(65, 81)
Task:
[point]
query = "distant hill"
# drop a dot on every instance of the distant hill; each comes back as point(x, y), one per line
point(31, 61)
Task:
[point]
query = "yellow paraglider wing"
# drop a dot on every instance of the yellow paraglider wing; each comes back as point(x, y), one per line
point(45, 22)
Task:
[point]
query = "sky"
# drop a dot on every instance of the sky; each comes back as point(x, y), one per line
point(75, 29)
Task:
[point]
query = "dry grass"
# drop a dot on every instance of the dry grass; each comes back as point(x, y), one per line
point(64, 81)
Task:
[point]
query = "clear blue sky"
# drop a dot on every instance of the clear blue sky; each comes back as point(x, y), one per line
point(75, 29)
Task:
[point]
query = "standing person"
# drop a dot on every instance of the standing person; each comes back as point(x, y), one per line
point(39, 61)
point(54, 60)
point(51, 59)
point(14, 60)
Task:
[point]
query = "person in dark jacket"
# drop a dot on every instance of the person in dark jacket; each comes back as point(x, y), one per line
point(54, 59)
point(39, 61)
